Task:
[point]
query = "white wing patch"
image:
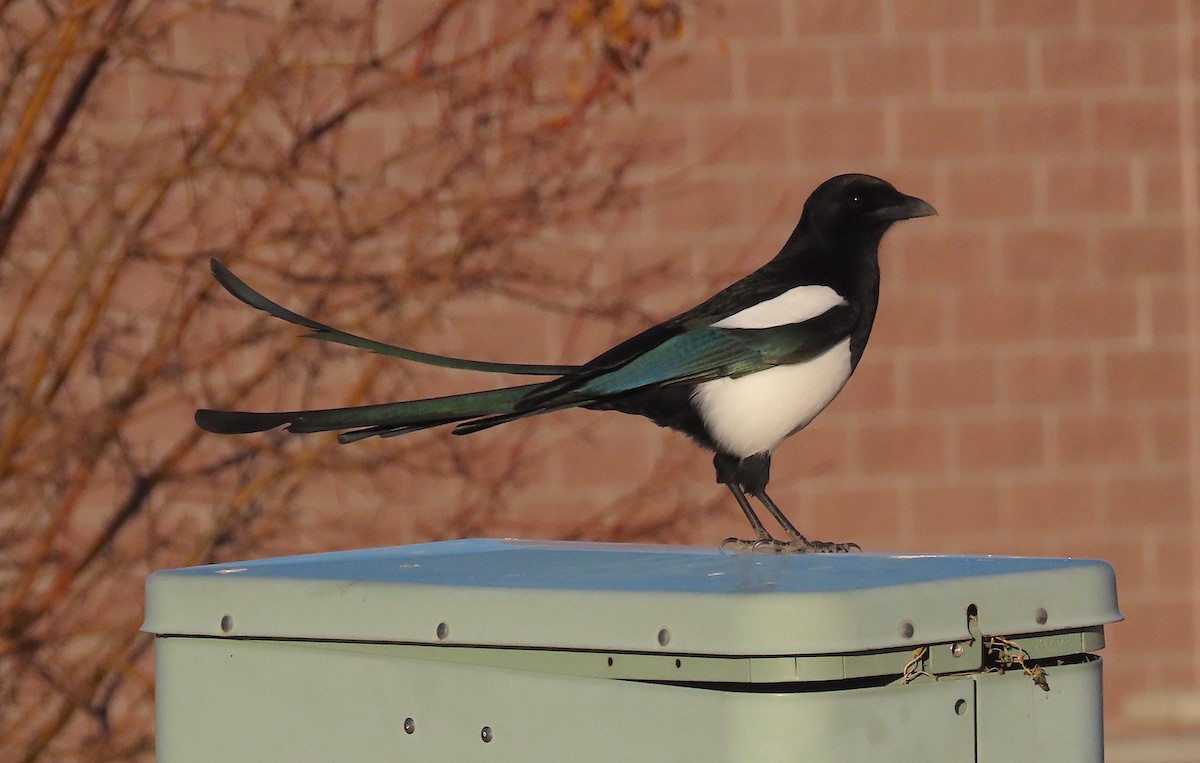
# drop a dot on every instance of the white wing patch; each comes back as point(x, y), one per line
point(793, 306)
point(754, 413)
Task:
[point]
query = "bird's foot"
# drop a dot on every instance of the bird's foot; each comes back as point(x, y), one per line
point(802, 545)
point(797, 545)
point(775, 546)
point(766, 545)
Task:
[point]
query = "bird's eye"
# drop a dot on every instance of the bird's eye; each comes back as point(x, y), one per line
point(855, 201)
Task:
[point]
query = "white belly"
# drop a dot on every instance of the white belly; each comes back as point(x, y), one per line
point(754, 413)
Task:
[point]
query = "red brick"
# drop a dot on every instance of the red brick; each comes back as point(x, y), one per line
point(993, 192)
point(876, 70)
point(1052, 504)
point(927, 132)
point(1142, 376)
point(930, 254)
point(777, 198)
point(704, 76)
point(697, 205)
point(1090, 189)
point(1157, 61)
point(1164, 186)
point(1072, 63)
point(860, 17)
point(918, 178)
point(1098, 439)
point(1035, 127)
point(1079, 311)
point(948, 509)
point(1001, 443)
point(656, 136)
point(1040, 255)
point(872, 388)
point(867, 516)
point(1195, 56)
point(1150, 501)
point(1169, 311)
point(1036, 14)
point(788, 72)
point(821, 450)
point(234, 39)
point(1141, 250)
point(1055, 378)
point(745, 20)
point(909, 319)
point(742, 139)
point(1142, 124)
point(1170, 438)
point(1126, 554)
point(951, 383)
point(993, 315)
point(901, 448)
point(1160, 628)
point(923, 16)
point(850, 135)
point(613, 452)
point(363, 143)
point(986, 66)
point(1123, 14)
point(1171, 560)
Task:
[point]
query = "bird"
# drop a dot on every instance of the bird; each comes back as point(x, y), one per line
point(738, 373)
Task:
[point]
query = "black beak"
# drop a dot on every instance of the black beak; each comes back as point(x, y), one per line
point(908, 208)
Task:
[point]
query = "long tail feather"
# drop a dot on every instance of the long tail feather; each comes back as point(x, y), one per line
point(487, 422)
point(369, 420)
point(240, 289)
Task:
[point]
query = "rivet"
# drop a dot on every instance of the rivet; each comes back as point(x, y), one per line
point(443, 631)
point(960, 707)
point(1041, 616)
point(226, 623)
point(486, 734)
point(907, 630)
point(956, 650)
point(664, 637)
point(409, 725)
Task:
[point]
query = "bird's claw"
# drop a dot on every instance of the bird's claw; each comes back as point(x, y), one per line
point(758, 545)
point(825, 547)
point(740, 545)
point(799, 545)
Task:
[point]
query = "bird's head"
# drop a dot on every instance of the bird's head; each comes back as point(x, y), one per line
point(859, 206)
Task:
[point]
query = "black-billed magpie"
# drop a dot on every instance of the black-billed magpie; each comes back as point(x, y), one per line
point(738, 373)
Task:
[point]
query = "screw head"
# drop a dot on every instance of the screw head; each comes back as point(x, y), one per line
point(907, 629)
point(956, 650)
point(1041, 616)
point(226, 623)
point(443, 631)
point(664, 637)
point(486, 733)
point(409, 725)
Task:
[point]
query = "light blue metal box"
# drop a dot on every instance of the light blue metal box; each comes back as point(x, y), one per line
point(543, 651)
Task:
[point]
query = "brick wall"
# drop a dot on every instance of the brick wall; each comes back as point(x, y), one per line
point(1033, 385)
point(1033, 382)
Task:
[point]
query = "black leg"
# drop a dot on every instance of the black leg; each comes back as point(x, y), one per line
point(783, 521)
point(751, 475)
point(740, 496)
point(799, 542)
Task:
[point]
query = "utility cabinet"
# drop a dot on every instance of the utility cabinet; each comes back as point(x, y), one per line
point(504, 650)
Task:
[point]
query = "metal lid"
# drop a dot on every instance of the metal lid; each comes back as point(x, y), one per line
point(622, 597)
